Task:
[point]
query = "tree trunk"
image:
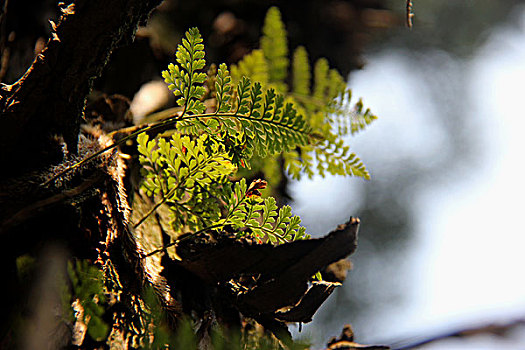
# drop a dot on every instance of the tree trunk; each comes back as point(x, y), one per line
point(40, 126)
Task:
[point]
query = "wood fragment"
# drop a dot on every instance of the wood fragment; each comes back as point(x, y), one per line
point(279, 274)
point(311, 301)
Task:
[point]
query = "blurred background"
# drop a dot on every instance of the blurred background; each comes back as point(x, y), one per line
point(441, 241)
point(441, 245)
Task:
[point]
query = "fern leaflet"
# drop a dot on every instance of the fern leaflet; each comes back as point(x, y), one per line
point(274, 45)
point(247, 210)
point(257, 119)
point(324, 100)
point(301, 72)
point(88, 289)
point(252, 65)
point(184, 79)
point(186, 174)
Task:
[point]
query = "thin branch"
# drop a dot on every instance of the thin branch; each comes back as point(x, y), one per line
point(409, 14)
point(493, 328)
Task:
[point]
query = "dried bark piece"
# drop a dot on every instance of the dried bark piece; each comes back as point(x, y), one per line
point(310, 302)
point(280, 274)
point(291, 284)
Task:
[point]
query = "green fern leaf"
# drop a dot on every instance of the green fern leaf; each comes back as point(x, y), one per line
point(321, 81)
point(337, 159)
point(359, 120)
point(274, 45)
point(88, 288)
point(186, 179)
point(253, 65)
point(261, 218)
point(185, 79)
point(223, 89)
point(301, 72)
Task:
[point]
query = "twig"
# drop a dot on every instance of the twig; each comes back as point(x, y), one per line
point(493, 328)
point(409, 14)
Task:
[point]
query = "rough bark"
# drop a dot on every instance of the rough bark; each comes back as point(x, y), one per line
point(48, 100)
point(43, 107)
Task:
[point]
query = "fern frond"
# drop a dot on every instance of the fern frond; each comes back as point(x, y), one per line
point(301, 72)
point(360, 119)
point(266, 128)
point(332, 117)
point(223, 89)
point(321, 81)
point(88, 289)
point(185, 79)
point(261, 218)
point(184, 174)
point(354, 119)
point(260, 121)
point(253, 65)
point(251, 120)
point(336, 159)
point(274, 45)
point(336, 88)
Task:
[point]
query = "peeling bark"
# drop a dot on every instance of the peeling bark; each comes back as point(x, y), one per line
point(279, 274)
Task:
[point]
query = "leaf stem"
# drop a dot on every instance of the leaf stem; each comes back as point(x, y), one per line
point(168, 122)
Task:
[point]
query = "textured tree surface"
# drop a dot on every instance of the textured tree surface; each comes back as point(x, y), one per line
point(87, 212)
point(40, 117)
point(48, 100)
